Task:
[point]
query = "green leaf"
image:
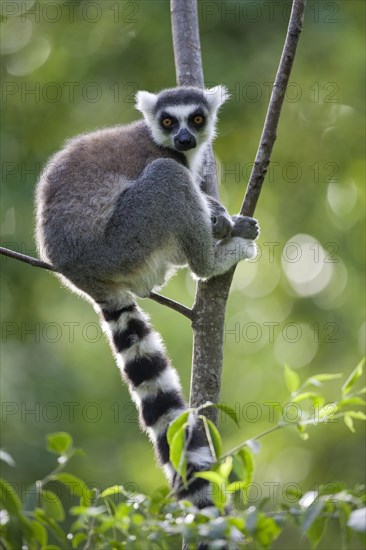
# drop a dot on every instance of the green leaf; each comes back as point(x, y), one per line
point(229, 411)
point(318, 402)
point(76, 486)
point(248, 462)
point(328, 411)
point(225, 468)
point(237, 486)
point(323, 378)
point(292, 379)
point(213, 436)
point(219, 496)
point(52, 505)
point(9, 499)
point(7, 458)
point(41, 516)
point(349, 423)
point(181, 420)
point(158, 499)
point(59, 443)
point(266, 531)
point(239, 523)
point(26, 526)
point(213, 477)
point(176, 451)
point(243, 469)
point(91, 511)
point(311, 514)
point(316, 531)
point(77, 539)
point(352, 401)
point(113, 491)
point(305, 395)
point(40, 533)
point(357, 414)
point(218, 487)
point(353, 377)
point(238, 472)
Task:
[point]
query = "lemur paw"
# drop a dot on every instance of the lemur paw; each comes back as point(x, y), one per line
point(245, 227)
point(221, 226)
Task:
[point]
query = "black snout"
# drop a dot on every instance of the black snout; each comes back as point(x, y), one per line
point(184, 141)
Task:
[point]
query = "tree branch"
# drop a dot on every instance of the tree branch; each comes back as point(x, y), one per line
point(208, 312)
point(35, 262)
point(211, 296)
point(188, 66)
point(269, 133)
point(183, 310)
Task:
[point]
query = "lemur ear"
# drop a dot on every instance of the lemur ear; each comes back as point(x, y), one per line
point(145, 102)
point(217, 96)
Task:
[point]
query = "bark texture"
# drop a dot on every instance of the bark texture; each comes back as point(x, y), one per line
point(208, 312)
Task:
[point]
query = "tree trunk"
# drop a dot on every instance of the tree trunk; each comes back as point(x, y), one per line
point(208, 314)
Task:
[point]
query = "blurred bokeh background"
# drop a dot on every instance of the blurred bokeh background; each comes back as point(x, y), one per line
point(70, 67)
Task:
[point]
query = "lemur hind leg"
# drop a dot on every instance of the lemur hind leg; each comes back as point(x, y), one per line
point(183, 234)
point(163, 208)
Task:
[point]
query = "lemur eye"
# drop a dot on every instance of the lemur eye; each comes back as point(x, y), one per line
point(167, 122)
point(198, 119)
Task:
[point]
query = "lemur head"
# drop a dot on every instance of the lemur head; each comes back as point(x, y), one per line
point(182, 118)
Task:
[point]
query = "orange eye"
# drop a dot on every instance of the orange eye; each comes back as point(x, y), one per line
point(198, 119)
point(167, 122)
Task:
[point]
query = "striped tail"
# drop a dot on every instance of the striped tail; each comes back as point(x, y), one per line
point(156, 390)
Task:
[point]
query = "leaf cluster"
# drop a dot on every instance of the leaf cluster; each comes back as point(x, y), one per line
point(118, 519)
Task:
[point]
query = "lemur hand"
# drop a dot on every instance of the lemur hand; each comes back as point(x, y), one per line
point(245, 227)
point(221, 220)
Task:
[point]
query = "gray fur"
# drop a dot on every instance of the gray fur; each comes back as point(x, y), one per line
point(118, 210)
point(114, 200)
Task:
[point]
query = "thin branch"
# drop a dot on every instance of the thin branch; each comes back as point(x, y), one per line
point(180, 308)
point(35, 262)
point(269, 132)
point(246, 443)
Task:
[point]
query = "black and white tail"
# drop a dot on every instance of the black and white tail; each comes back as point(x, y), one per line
point(156, 390)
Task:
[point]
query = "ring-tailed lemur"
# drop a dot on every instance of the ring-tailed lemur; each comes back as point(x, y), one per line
point(118, 210)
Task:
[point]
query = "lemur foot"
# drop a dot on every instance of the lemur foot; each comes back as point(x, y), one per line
point(245, 227)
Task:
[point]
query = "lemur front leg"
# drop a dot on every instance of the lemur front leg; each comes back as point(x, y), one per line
point(222, 223)
point(225, 226)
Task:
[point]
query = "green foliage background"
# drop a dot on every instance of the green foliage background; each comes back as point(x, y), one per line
point(84, 61)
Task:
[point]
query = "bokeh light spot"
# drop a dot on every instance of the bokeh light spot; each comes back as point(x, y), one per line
point(296, 345)
point(30, 58)
point(306, 265)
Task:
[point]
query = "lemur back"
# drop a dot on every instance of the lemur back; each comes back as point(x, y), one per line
point(118, 210)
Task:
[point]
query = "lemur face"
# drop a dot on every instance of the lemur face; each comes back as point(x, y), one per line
point(182, 127)
point(182, 118)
